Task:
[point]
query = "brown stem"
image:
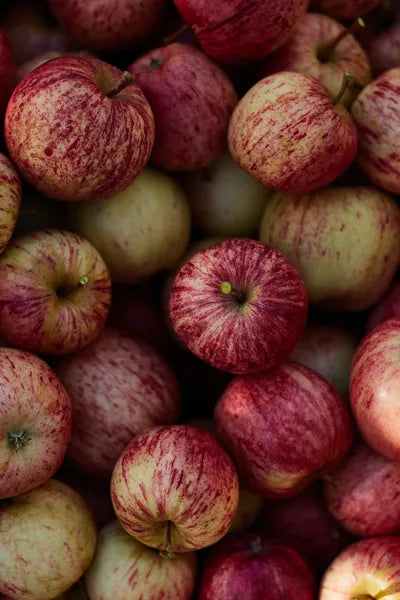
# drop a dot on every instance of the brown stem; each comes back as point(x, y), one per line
point(325, 52)
point(362, 597)
point(127, 80)
point(348, 82)
point(169, 39)
point(169, 549)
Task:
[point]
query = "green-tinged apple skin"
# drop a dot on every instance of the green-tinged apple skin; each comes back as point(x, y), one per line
point(10, 200)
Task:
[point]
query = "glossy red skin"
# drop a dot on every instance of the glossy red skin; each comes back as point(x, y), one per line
point(7, 72)
point(69, 139)
point(388, 308)
point(256, 568)
point(345, 9)
point(192, 100)
point(239, 31)
point(287, 134)
point(283, 427)
point(375, 388)
point(210, 323)
point(119, 386)
point(32, 399)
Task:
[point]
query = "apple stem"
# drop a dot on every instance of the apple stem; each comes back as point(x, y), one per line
point(362, 597)
point(169, 549)
point(348, 82)
point(169, 39)
point(326, 50)
point(226, 288)
point(128, 78)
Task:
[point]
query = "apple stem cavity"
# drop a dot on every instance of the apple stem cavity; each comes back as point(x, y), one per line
point(325, 51)
point(17, 439)
point(127, 79)
point(348, 82)
point(169, 39)
point(169, 549)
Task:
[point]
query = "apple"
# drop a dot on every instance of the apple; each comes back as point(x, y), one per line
point(287, 133)
point(283, 428)
point(377, 123)
point(55, 292)
point(241, 31)
point(345, 9)
point(47, 541)
point(124, 568)
point(320, 47)
point(256, 567)
point(224, 199)
point(142, 230)
point(388, 308)
point(375, 388)
point(175, 489)
point(35, 422)
point(365, 570)
point(239, 305)
point(328, 350)
point(10, 200)
point(344, 242)
point(7, 72)
point(381, 39)
point(109, 26)
point(78, 129)
point(192, 100)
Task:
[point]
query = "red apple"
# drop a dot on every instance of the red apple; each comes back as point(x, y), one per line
point(345, 9)
point(10, 200)
point(239, 305)
point(287, 133)
point(55, 292)
point(7, 72)
point(192, 100)
point(283, 427)
point(388, 308)
point(378, 120)
point(241, 31)
point(78, 129)
point(381, 39)
point(35, 422)
point(175, 489)
point(375, 388)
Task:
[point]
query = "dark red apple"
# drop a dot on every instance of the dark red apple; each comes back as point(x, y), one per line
point(7, 72)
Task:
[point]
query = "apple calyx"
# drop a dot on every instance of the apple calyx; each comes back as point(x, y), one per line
point(348, 82)
point(169, 39)
point(127, 79)
point(155, 64)
point(17, 439)
point(325, 52)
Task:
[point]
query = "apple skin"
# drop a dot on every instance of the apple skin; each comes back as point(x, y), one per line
point(175, 489)
point(142, 230)
point(365, 570)
point(344, 242)
point(301, 54)
point(241, 31)
point(256, 567)
point(287, 134)
point(375, 388)
point(377, 122)
point(192, 100)
point(7, 72)
point(108, 26)
point(262, 420)
point(388, 308)
point(47, 541)
point(35, 422)
point(69, 138)
point(10, 200)
point(231, 333)
point(345, 9)
point(119, 386)
point(55, 292)
point(124, 568)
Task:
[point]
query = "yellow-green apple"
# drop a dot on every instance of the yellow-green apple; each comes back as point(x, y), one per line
point(284, 428)
point(388, 308)
point(363, 493)
point(365, 570)
point(241, 31)
point(345, 9)
point(109, 26)
point(375, 388)
point(119, 386)
point(345, 242)
point(35, 422)
point(175, 489)
point(55, 292)
point(321, 47)
point(7, 72)
point(47, 541)
point(124, 568)
point(78, 129)
point(381, 39)
point(142, 230)
point(192, 100)
point(328, 350)
point(239, 305)
point(287, 133)
point(10, 200)
point(224, 199)
point(257, 567)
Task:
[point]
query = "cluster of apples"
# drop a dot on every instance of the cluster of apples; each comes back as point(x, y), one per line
point(198, 220)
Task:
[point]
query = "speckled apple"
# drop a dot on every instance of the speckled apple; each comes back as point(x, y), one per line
point(7, 72)
point(287, 133)
point(192, 100)
point(55, 292)
point(119, 387)
point(239, 305)
point(47, 541)
point(375, 388)
point(345, 242)
point(345, 9)
point(241, 31)
point(35, 422)
point(124, 568)
point(10, 200)
point(175, 489)
point(78, 129)
point(388, 308)
point(284, 428)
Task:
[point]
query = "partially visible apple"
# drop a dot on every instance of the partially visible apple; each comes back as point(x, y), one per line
point(345, 9)
point(388, 308)
point(10, 200)
point(40, 59)
point(7, 72)
point(381, 39)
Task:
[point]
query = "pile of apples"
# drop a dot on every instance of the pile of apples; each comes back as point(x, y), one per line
point(199, 300)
